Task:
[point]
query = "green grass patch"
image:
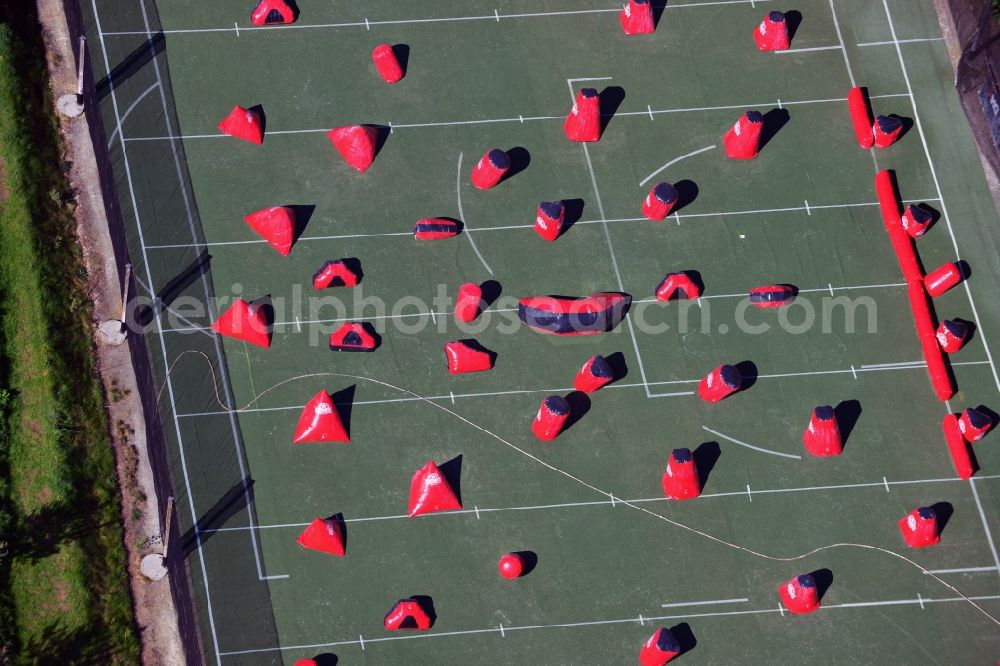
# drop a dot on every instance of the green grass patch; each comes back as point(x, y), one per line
point(63, 583)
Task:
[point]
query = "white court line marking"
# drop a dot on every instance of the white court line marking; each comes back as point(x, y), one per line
point(118, 125)
point(641, 621)
point(962, 570)
point(781, 609)
point(749, 495)
point(749, 446)
point(502, 634)
point(278, 577)
point(898, 364)
point(367, 25)
point(673, 161)
point(676, 394)
point(361, 640)
point(236, 26)
point(854, 372)
point(808, 212)
point(591, 623)
point(829, 286)
point(903, 41)
point(650, 110)
point(842, 47)
point(592, 503)
point(487, 121)
point(477, 511)
point(706, 603)
point(921, 601)
point(937, 186)
point(986, 526)
point(886, 482)
point(466, 228)
point(808, 50)
point(497, 14)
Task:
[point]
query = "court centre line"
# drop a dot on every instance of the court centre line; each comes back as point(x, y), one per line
point(706, 603)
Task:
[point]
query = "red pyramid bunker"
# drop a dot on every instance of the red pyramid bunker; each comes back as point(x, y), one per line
point(742, 141)
point(407, 614)
point(680, 480)
point(637, 18)
point(243, 124)
point(920, 528)
point(243, 321)
point(659, 649)
point(951, 335)
point(387, 64)
point(325, 535)
point(800, 594)
point(551, 418)
point(467, 356)
point(320, 422)
point(353, 336)
point(772, 33)
point(549, 219)
point(677, 286)
point(490, 169)
point(720, 383)
point(272, 12)
point(356, 144)
point(659, 202)
point(822, 436)
point(584, 120)
point(276, 225)
point(335, 273)
point(430, 491)
point(594, 374)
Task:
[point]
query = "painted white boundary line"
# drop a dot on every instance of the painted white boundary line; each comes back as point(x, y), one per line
point(962, 570)
point(749, 446)
point(706, 603)
point(986, 526)
point(902, 41)
point(467, 230)
point(674, 161)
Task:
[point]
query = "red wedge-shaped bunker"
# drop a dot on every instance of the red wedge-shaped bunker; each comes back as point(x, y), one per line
point(742, 141)
point(772, 33)
point(407, 614)
point(677, 286)
point(720, 383)
point(243, 124)
point(272, 12)
point(325, 535)
point(551, 418)
point(470, 298)
point(594, 374)
point(244, 321)
point(436, 228)
point(958, 448)
point(467, 356)
point(952, 334)
point(637, 18)
point(861, 117)
point(974, 424)
point(430, 491)
point(335, 273)
point(659, 202)
point(584, 120)
point(942, 278)
point(659, 649)
point(549, 219)
point(680, 480)
point(916, 220)
point(356, 144)
point(920, 527)
point(353, 336)
point(320, 422)
point(822, 437)
point(387, 64)
point(490, 169)
point(886, 130)
point(276, 225)
point(800, 594)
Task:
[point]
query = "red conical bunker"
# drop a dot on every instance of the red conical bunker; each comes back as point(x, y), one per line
point(678, 286)
point(720, 383)
point(320, 422)
point(511, 566)
point(356, 144)
point(467, 356)
point(742, 141)
point(916, 220)
point(549, 219)
point(772, 33)
point(659, 202)
point(920, 527)
point(822, 437)
point(243, 124)
point(431, 492)
point(335, 273)
point(271, 12)
point(800, 594)
point(594, 374)
point(387, 64)
point(407, 614)
point(974, 424)
point(490, 169)
point(637, 18)
point(680, 480)
point(942, 279)
point(886, 130)
point(470, 296)
point(325, 535)
point(952, 334)
point(550, 418)
point(276, 225)
point(244, 321)
point(659, 649)
point(584, 120)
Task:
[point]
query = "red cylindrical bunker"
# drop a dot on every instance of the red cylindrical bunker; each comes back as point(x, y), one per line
point(861, 117)
point(822, 437)
point(584, 120)
point(720, 383)
point(594, 374)
point(800, 594)
point(680, 480)
point(920, 528)
point(470, 295)
point(550, 418)
point(942, 279)
point(951, 335)
point(659, 202)
point(549, 219)
point(490, 169)
point(387, 63)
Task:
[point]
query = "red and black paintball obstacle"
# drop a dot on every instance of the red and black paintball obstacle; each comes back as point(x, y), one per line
point(567, 315)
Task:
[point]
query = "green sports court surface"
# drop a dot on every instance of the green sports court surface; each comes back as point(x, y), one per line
point(502, 74)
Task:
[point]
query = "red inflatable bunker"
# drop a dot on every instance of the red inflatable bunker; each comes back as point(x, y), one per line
point(430, 492)
point(861, 117)
point(353, 336)
point(387, 63)
point(958, 448)
point(920, 528)
point(550, 418)
point(659, 202)
point(407, 614)
point(800, 594)
point(676, 286)
point(594, 374)
point(335, 273)
point(356, 144)
point(742, 141)
point(243, 321)
point(916, 220)
point(470, 297)
point(637, 18)
point(680, 480)
point(436, 228)
point(974, 425)
point(772, 295)
point(511, 566)
point(720, 383)
point(549, 219)
point(822, 437)
point(951, 335)
point(325, 535)
point(886, 130)
point(320, 422)
point(584, 120)
point(772, 33)
point(271, 12)
point(565, 315)
point(467, 356)
point(490, 169)
point(659, 649)
point(276, 225)
point(243, 124)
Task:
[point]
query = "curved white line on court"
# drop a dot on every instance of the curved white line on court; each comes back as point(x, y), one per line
point(465, 223)
point(118, 126)
point(750, 446)
point(675, 161)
